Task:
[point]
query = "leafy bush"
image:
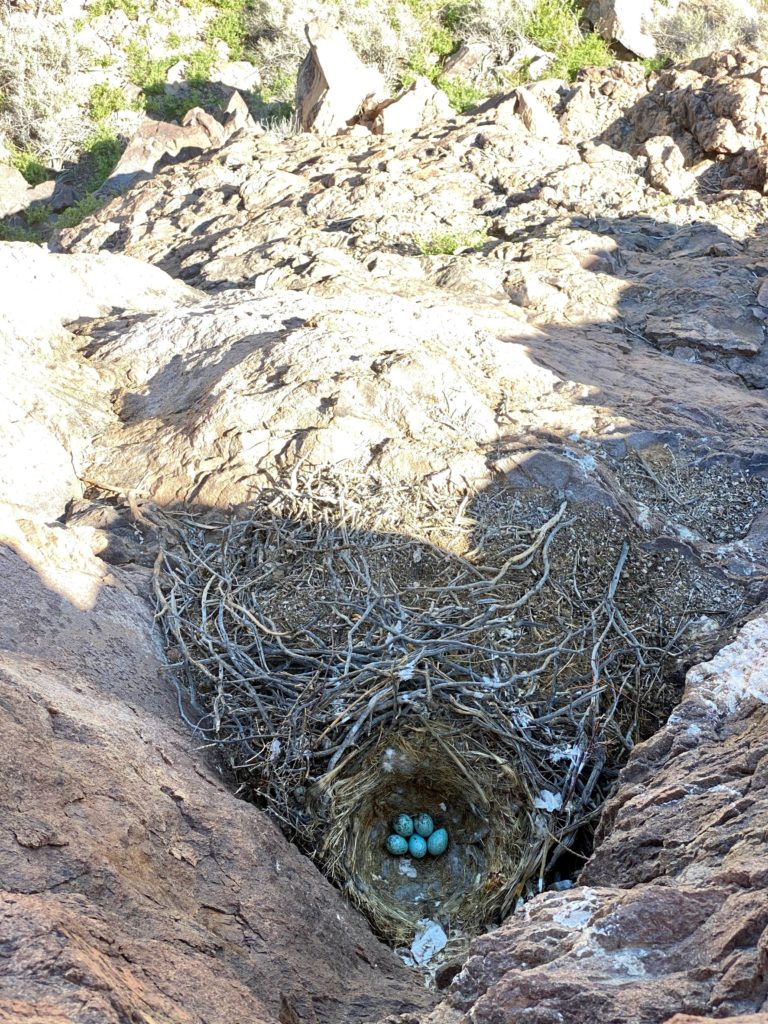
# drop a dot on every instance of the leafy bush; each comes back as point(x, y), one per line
point(586, 52)
point(104, 100)
point(103, 149)
point(463, 95)
point(448, 243)
point(71, 218)
point(29, 166)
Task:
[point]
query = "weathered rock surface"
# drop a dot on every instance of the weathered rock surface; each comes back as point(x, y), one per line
point(552, 180)
point(157, 142)
point(133, 885)
point(333, 85)
point(628, 22)
point(418, 105)
point(671, 913)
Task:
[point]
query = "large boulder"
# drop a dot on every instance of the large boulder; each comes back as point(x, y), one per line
point(421, 103)
point(333, 85)
point(628, 22)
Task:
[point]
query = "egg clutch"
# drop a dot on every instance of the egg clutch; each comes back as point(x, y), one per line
point(416, 835)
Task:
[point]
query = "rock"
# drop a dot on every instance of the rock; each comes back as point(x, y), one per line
point(177, 73)
point(42, 443)
point(419, 104)
point(157, 142)
point(56, 195)
point(666, 166)
point(14, 191)
point(135, 885)
point(240, 75)
point(762, 294)
point(472, 61)
point(333, 84)
point(628, 22)
point(239, 117)
point(536, 117)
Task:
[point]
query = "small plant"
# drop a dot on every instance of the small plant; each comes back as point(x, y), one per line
point(199, 66)
point(652, 64)
point(228, 26)
point(29, 166)
point(71, 218)
point(12, 233)
point(104, 149)
point(104, 100)
point(449, 243)
point(129, 7)
point(146, 71)
point(36, 214)
point(589, 51)
point(463, 95)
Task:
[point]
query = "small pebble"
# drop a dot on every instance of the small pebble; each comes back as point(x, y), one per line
point(417, 847)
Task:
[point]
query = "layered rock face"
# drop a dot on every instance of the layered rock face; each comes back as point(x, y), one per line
point(543, 293)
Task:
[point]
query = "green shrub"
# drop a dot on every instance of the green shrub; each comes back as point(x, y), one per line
point(448, 243)
point(199, 66)
point(11, 233)
point(104, 149)
point(71, 218)
point(146, 71)
point(104, 100)
point(463, 95)
point(25, 161)
point(587, 52)
point(228, 25)
point(129, 7)
point(37, 214)
point(553, 25)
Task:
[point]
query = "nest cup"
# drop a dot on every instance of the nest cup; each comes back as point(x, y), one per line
point(423, 769)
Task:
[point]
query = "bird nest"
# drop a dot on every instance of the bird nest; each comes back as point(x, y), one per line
point(356, 649)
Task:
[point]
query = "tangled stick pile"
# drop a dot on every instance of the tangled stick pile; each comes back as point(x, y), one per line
point(358, 649)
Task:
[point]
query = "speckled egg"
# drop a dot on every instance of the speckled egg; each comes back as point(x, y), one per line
point(423, 825)
point(403, 825)
point(437, 842)
point(417, 847)
point(397, 846)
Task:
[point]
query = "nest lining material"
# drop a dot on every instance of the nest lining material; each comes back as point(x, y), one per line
point(337, 620)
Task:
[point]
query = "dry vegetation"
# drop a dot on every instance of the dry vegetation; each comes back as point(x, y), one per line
point(356, 648)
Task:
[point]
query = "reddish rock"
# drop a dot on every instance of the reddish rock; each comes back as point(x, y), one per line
point(135, 886)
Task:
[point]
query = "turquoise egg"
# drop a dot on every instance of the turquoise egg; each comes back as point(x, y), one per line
point(423, 825)
point(437, 842)
point(397, 846)
point(417, 847)
point(403, 825)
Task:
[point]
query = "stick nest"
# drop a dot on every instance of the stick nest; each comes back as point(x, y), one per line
point(357, 648)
